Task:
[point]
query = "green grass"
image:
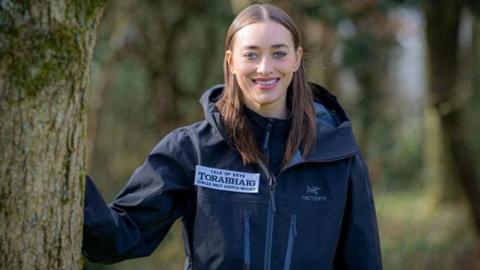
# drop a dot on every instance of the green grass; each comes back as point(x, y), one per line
point(417, 232)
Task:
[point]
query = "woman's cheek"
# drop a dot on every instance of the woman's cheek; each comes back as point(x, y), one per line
point(287, 65)
point(246, 68)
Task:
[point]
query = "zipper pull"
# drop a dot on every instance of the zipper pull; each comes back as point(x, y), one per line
point(271, 183)
point(293, 223)
point(267, 135)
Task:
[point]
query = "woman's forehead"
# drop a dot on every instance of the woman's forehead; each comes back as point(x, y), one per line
point(264, 34)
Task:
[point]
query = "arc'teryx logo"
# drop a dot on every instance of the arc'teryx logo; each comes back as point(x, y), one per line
point(312, 194)
point(313, 190)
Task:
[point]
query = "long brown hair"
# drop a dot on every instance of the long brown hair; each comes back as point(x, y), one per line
point(299, 94)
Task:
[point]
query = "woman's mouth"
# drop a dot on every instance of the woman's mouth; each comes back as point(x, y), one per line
point(266, 83)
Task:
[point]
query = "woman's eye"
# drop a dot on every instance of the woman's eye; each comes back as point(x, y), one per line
point(250, 55)
point(279, 54)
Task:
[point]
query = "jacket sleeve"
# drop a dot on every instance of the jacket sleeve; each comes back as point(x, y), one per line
point(359, 246)
point(139, 218)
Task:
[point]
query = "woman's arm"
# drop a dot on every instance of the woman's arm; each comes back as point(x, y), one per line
point(139, 218)
point(359, 246)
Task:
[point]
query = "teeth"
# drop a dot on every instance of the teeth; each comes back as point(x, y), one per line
point(266, 82)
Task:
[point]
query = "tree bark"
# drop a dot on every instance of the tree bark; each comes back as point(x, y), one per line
point(442, 29)
point(45, 52)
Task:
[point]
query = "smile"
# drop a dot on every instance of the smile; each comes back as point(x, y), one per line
point(266, 84)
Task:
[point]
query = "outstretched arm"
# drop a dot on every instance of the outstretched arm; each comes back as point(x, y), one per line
point(143, 212)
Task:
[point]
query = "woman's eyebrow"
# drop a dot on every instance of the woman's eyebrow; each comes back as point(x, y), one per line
point(251, 47)
point(278, 46)
point(254, 47)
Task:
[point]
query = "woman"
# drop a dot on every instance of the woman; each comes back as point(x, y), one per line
point(271, 179)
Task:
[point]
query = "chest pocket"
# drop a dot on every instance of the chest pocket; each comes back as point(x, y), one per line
point(224, 235)
point(311, 198)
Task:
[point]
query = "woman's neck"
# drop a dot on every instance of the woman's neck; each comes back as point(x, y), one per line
point(270, 111)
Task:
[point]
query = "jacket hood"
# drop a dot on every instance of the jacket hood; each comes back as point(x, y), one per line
point(334, 135)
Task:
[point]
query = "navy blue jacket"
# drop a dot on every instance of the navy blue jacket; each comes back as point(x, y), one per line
point(316, 213)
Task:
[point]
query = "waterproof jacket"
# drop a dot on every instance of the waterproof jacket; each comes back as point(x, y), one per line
point(316, 213)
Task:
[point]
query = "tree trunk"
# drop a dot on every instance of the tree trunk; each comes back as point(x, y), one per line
point(442, 28)
point(440, 171)
point(475, 76)
point(45, 52)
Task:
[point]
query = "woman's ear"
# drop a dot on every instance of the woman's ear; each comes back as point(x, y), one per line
point(298, 57)
point(228, 58)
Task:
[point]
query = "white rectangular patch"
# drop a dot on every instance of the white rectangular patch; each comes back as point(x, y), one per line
point(226, 180)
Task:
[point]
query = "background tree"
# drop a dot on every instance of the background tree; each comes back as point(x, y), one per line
point(45, 52)
point(442, 29)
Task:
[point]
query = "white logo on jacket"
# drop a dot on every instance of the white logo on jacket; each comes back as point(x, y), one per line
point(226, 180)
point(313, 190)
point(312, 194)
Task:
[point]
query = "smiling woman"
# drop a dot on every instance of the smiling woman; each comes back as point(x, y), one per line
point(263, 59)
point(271, 179)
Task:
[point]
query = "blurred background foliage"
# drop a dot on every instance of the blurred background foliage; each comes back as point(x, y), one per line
point(407, 72)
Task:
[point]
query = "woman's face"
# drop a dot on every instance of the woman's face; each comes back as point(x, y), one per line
point(263, 59)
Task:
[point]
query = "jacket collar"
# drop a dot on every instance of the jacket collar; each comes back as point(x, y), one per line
point(334, 140)
point(259, 124)
point(334, 135)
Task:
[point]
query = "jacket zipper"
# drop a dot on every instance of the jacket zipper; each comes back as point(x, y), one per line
point(271, 204)
point(246, 241)
point(292, 234)
point(266, 140)
point(270, 219)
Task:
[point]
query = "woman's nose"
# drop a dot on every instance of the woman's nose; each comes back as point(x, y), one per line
point(264, 66)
